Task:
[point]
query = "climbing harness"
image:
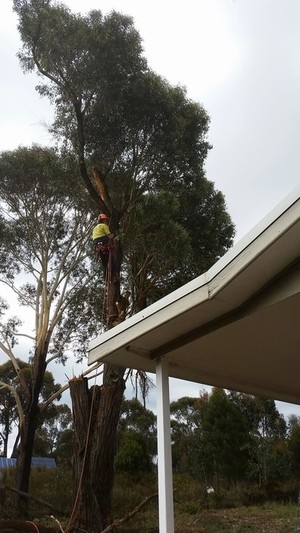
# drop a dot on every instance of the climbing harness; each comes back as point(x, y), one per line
point(101, 248)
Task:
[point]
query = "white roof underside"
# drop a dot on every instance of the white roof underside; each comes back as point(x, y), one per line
point(237, 326)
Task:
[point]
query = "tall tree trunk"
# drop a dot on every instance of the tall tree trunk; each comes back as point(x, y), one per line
point(104, 442)
point(24, 456)
point(28, 429)
point(93, 461)
point(96, 413)
point(85, 514)
point(5, 436)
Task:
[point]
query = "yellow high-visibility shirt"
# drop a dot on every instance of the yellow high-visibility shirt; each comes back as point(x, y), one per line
point(100, 231)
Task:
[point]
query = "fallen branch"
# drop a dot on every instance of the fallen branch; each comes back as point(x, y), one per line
point(24, 526)
point(34, 498)
point(130, 515)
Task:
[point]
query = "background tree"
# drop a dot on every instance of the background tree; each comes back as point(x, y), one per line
point(225, 437)
point(268, 457)
point(136, 438)
point(188, 451)
point(132, 134)
point(294, 443)
point(210, 438)
point(47, 227)
point(54, 432)
point(9, 418)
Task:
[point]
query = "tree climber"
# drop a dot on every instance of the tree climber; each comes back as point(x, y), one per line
point(102, 237)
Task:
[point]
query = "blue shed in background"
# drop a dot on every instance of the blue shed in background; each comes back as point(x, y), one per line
point(37, 462)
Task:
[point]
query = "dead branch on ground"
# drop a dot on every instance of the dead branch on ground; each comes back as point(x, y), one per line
point(34, 498)
point(130, 515)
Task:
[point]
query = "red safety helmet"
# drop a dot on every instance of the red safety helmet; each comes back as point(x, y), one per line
point(102, 216)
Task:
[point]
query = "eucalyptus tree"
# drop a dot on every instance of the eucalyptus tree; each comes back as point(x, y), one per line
point(225, 437)
point(268, 458)
point(45, 262)
point(186, 431)
point(8, 413)
point(136, 437)
point(133, 134)
point(161, 246)
point(293, 441)
point(51, 422)
point(131, 130)
point(56, 423)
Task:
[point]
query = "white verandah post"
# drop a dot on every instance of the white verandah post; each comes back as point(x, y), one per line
point(165, 478)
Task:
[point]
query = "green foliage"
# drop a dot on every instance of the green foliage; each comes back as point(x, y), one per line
point(46, 261)
point(208, 224)
point(293, 443)
point(146, 137)
point(230, 436)
point(55, 487)
point(225, 436)
point(230, 510)
point(267, 447)
point(48, 239)
point(187, 414)
point(73, 48)
point(159, 246)
point(9, 413)
point(133, 454)
point(54, 435)
point(186, 422)
point(134, 416)
point(136, 438)
point(210, 437)
point(148, 142)
point(130, 489)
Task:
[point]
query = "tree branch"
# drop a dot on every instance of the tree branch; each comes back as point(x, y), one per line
point(130, 515)
point(104, 198)
point(34, 498)
point(18, 401)
point(17, 368)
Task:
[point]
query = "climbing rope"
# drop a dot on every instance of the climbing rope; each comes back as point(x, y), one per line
point(108, 279)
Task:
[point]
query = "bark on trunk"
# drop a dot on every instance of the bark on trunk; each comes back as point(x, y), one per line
point(93, 463)
point(23, 465)
point(27, 432)
point(104, 443)
point(24, 456)
point(5, 436)
point(96, 413)
point(86, 513)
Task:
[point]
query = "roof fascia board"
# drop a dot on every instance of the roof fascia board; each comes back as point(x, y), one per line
point(254, 244)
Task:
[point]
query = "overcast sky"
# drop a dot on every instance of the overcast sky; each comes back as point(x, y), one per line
point(239, 58)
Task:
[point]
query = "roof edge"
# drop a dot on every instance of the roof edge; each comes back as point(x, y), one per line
point(203, 281)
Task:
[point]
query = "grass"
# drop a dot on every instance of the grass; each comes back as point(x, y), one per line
point(195, 510)
point(271, 518)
